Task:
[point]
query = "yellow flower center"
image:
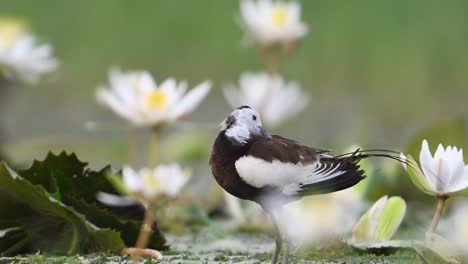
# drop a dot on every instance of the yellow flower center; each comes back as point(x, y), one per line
point(151, 181)
point(10, 30)
point(156, 100)
point(279, 16)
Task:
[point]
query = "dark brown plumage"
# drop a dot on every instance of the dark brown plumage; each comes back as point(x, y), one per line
point(225, 154)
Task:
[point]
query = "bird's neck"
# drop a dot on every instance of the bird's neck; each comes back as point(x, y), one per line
point(238, 134)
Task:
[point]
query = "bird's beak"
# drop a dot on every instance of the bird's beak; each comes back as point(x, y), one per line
point(223, 125)
point(264, 133)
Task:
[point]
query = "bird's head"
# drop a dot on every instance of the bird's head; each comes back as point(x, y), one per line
point(242, 123)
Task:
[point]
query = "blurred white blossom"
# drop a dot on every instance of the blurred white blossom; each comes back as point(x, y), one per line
point(381, 221)
point(322, 217)
point(457, 225)
point(270, 22)
point(275, 100)
point(135, 96)
point(442, 174)
point(147, 184)
point(21, 58)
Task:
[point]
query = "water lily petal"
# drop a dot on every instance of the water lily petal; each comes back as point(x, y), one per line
point(115, 200)
point(146, 82)
point(173, 178)
point(428, 166)
point(381, 221)
point(122, 85)
point(459, 180)
point(440, 152)
point(285, 102)
point(131, 179)
point(169, 85)
point(444, 172)
point(417, 176)
point(269, 22)
point(178, 93)
point(108, 98)
point(191, 100)
point(26, 61)
point(390, 218)
point(374, 215)
point(365, 228)
point(269, 95)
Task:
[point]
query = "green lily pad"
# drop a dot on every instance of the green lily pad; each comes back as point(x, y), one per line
point(49, 225)
point(389, 244)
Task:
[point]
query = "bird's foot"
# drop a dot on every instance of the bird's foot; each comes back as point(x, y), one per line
point(142, 252)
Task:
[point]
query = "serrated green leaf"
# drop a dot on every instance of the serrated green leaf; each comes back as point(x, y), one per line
point(390, 218)
point(73, 184)
point(49, 225)
point(104, 240)
point(46, 172)
point(129, 228)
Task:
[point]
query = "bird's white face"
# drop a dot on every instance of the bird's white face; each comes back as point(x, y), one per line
point(242, 123)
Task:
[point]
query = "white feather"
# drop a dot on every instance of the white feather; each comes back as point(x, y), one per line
point(288, 177)
point(259, 173)
point(240, 133)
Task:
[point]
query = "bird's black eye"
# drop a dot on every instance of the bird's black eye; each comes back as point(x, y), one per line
point(254, 117)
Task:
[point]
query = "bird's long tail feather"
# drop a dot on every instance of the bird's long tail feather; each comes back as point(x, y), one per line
point(350, 171)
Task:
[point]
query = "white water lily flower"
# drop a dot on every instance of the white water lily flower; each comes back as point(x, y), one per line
point(269, 21)
point(321, 218)
point(148, 184)
point(381, 221)
point(443, 174)
point(275, 100)
point(20, 56)
point(136, 97)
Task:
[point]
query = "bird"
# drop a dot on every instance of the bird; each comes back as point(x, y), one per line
point(249, 163)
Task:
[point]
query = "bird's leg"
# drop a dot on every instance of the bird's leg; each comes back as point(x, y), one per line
point(278, 240)
point(286, 250)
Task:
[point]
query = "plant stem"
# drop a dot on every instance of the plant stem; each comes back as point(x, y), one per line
point(145, 230)
point(441, 199)
point(132, 140)
point(268, 59)
point(153, 147)
point(271, 64)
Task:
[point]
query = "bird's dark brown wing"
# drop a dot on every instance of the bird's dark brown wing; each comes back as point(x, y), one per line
point(283, 149)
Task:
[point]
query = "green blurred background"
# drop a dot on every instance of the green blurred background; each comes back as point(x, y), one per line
point(377, 71)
